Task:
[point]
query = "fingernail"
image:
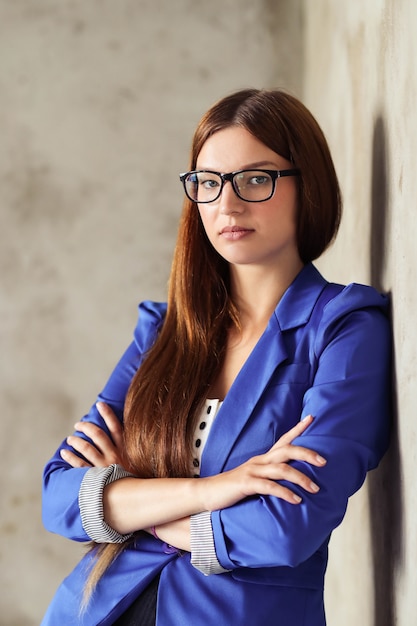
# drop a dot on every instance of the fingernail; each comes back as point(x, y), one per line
point(296, 498)
point(307, 418)
point(314, 487)
point(321, 460)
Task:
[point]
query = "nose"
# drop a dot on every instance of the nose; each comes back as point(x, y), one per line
point(229, 202)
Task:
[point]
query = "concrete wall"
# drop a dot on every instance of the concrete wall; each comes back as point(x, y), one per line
point(98, 102)
point(95, 99)
point(360, 81)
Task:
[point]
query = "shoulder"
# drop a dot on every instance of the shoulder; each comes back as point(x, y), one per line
point(355, 306)
point(150, 318)
point(152, 312)
point(354, 297)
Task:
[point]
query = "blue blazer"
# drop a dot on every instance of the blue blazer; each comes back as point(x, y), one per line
point(325, 352)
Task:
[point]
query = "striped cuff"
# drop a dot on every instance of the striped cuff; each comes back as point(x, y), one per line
point(90, 501)
point(203, 552)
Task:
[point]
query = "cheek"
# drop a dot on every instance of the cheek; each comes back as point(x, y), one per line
point(279, 216)
point(286, 211)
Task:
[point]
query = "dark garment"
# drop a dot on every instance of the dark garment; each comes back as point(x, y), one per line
point(143, 610)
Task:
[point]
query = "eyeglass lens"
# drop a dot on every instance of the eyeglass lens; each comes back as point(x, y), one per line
point(250, 185)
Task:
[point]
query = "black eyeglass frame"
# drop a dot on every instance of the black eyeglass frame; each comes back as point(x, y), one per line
point(274, 174)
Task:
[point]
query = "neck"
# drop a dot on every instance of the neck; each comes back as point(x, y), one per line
point(256, 290)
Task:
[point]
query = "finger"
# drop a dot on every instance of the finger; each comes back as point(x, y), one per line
point(101, 450)
point(98, 436)
point(277, 471)
point(90, 453)
point(266, 486)
point(296, 431)
point(73, 459)
point(279, 491)
point(112, 422)
point(290, 474)
point(283, 454)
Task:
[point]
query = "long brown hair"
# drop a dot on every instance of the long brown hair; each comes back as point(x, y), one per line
point(171, 384)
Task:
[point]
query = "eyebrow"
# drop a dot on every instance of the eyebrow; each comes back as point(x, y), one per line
point(249, 166)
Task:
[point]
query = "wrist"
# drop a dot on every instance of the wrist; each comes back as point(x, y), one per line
point(176, 533)
point(201, 494)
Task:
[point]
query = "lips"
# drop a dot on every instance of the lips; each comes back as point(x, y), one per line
point(234, 233)
point(234, 229)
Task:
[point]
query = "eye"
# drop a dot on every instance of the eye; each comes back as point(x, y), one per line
point(208, 183)
point(258, 179)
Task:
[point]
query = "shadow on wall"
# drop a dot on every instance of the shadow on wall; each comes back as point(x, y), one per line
point(385, 491)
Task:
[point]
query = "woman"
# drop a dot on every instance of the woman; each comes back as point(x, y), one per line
point(258, 377)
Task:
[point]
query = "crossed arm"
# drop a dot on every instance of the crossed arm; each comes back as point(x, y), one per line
point(166, 504)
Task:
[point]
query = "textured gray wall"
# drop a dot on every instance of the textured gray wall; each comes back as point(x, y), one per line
point(95, 98)
point(98, 101)
point(360, 80)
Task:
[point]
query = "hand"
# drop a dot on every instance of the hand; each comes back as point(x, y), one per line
point(260, 473)
point(135, 504)
point(175, 533)
point(104, 450)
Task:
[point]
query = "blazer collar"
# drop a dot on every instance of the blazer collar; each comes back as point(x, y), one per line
point(294, 309)
point(297, 303)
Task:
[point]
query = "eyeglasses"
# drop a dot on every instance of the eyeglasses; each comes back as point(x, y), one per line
point(204, 186)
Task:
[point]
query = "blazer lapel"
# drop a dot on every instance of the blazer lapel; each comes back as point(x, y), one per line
point(294, 309)
point(243, 395)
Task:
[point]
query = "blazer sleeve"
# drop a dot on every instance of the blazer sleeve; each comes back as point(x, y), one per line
point(350, 401)
point(61, 482)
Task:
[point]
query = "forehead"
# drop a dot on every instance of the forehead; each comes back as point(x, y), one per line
point(236, 148)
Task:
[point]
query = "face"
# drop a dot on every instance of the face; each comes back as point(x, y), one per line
point(249, 233)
